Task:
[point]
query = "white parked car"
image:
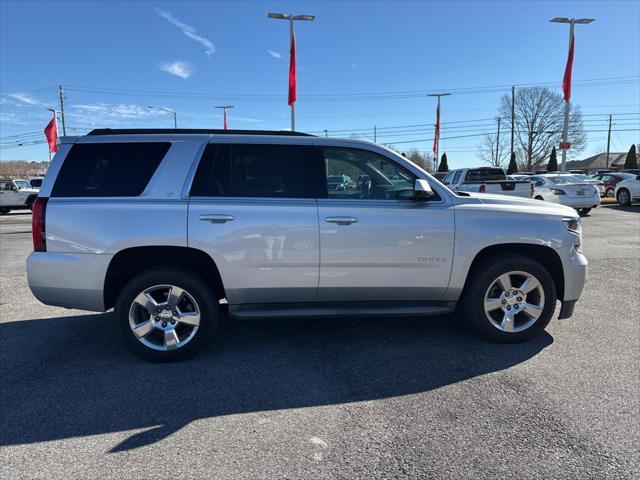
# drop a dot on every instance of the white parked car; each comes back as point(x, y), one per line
point(628, 191)
point(592, 180)
point(16, 194)
point(566, 189)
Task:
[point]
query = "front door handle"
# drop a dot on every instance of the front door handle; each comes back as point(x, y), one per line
point(341, 220)
point(216, 218)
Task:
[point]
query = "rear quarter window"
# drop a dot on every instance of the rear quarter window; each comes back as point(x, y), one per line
point(109, 169)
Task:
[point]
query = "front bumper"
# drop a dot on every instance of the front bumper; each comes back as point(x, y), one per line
point(68, 280)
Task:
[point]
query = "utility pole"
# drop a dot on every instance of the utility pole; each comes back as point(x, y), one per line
point(375, 134)
point(64, 127)
point(608, 141)
point(291, 19)
point(513, 116)
point(436, 138)
point(565, 130)
point(224, 116)
point(326, 134)
point(498, 144)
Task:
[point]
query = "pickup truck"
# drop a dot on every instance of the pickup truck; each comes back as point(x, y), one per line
point(487, 180)
point(16, 194)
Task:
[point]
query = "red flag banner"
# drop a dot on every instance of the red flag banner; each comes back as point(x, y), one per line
point(566, 81)
point(51, 132)
point(225, 119)
point(292, 72)
point(437, 135)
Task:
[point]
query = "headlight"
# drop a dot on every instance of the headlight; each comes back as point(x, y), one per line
point(573, 225)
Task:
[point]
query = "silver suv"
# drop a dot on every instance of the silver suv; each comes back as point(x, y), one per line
point(169, 227)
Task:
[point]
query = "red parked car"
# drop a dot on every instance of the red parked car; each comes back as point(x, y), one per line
point(610, 180)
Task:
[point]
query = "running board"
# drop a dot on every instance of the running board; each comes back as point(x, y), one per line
point(340, 309)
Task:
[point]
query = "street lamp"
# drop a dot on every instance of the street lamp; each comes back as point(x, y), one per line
point(291, 19)
point(167, 111)
point(565, 130)
point(436, 137)
point(224, 109)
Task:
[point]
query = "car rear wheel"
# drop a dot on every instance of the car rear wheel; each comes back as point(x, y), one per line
point(166, 314)
point(583, 211)
point(624, 197)
point(4, 211)
point(509, 299)
point(539, 198)
point(610, 192)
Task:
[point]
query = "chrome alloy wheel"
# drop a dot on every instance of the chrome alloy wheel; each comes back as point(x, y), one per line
point(514, 301)
point(164, 317)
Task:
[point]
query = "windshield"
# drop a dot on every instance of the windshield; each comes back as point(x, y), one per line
point(22, 184)
point(485, 175)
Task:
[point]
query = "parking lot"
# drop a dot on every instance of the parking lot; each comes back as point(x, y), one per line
point(411, 398)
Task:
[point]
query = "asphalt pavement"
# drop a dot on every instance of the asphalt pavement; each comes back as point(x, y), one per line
point(374, 398)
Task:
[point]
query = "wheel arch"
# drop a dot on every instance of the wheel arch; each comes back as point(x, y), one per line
point(546, 256)
point(128, 262)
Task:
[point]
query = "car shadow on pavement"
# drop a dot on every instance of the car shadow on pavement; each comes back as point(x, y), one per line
point(69, 377)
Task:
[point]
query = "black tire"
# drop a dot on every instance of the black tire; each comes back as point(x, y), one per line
point(583, 211)
point(195, 286)
point(4, 211)
point(539, 198)
point(624, 197)
point(30, 202)
point(481, 280)
point(610, 192)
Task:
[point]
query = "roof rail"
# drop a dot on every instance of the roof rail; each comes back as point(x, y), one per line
point(201, 131)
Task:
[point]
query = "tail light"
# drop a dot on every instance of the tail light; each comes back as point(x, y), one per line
point(482, 188)
point(557, 191)
point(531, 190)
point(38, 225)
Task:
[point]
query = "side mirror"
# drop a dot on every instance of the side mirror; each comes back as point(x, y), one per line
point(422, 190)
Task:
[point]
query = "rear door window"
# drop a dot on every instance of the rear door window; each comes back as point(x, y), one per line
point(109, 169)
point(485, 175)
point(255, 170)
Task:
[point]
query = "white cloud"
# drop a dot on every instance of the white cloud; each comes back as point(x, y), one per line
point(354, 66)
point(189, 31)
point(105, 114)
point(179, 69)
point(21, 97)
point(274, 54)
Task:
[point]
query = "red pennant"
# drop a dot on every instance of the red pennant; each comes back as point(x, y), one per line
point(51, 132)
point(437, 135)
point(292, 72)
point(566, 81)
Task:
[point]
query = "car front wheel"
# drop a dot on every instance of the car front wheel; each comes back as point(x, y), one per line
point(624, 197)
point(510, 299)
point(609, 193)
point(583, 211)
point(166, 314)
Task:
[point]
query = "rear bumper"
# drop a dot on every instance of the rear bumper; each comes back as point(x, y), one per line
point(579, 202)
point(68, 280)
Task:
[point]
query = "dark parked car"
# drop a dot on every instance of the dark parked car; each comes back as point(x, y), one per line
point(610, 180)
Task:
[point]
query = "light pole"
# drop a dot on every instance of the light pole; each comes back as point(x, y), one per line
point(436, 138)
point(292, 60)
point(168, 111)
point(565, 129)
point(224, 115)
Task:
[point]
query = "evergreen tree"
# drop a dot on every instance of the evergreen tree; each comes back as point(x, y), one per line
point(444, 167)
point(632, 158)
point(553, 161)
point(513, 165)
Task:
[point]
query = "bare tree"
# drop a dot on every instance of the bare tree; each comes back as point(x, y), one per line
point(538, 123)
point(422, 160)
point(493, 154)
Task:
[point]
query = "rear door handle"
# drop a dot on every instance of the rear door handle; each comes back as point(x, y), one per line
point(216, 218)
point(341, 220)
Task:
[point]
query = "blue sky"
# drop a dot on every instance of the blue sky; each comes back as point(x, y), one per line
point(116, 58)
